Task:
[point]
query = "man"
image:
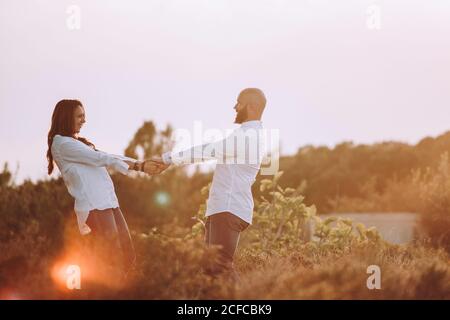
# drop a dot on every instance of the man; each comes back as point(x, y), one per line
point(230, 202)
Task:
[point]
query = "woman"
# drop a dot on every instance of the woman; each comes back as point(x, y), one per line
point(83, 169)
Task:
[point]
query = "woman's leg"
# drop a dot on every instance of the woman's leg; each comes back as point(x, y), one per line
point(126, 243)
point(207, 232)
point(102, 222)
point(105, 235)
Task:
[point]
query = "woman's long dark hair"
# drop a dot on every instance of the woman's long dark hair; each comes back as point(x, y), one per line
point(63, 121)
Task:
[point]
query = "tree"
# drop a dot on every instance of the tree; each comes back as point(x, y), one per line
point(5, 176)
point(148, 141)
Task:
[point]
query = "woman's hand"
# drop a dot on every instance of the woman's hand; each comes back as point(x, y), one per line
point(130, 164)
point(151, 167)
point(134, 165)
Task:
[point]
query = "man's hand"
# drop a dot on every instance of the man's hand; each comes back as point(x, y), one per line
point(158, 160)
point(154, 166)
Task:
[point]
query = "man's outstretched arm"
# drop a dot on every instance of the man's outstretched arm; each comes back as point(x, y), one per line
point(218, 150)
point(239, 147)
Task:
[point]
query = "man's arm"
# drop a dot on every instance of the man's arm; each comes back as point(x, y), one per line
point(201, 153)
point(238, 147)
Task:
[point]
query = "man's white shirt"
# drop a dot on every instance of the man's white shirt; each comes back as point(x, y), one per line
point(239, 158)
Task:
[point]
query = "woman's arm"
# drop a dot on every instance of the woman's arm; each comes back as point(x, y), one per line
point(77, 152)
point(132, 163)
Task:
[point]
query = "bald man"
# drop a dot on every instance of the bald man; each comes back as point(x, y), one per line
point(230, 203)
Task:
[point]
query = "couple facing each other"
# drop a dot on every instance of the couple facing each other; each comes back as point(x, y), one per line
point(230, 201)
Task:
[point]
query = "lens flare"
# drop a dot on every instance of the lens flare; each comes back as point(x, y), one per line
point(9, 295)
point(83, 265)
point(162, 198)
point(70, 271)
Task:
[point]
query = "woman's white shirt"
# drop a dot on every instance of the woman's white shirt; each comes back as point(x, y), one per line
point(86, 177)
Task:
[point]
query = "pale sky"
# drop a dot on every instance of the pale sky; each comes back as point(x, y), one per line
point(327, 76)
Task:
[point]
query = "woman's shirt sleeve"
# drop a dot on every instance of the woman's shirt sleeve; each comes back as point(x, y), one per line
point(74, 151)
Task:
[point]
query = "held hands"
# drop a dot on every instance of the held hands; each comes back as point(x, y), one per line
point(155, 165)
point(152, 166)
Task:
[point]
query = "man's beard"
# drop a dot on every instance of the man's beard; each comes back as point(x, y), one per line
point(241, 116)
